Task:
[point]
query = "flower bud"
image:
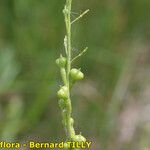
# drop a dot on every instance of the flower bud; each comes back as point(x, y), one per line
point(61, 61)
point(63, 93)
point(76, 74)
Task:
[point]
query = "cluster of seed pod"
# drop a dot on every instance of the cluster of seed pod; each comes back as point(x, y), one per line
point(74, 75)
point(69, 76)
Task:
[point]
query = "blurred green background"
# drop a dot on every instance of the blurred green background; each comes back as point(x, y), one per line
point(111, 106)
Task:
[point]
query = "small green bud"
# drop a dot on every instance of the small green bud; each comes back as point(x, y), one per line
point(61, 61)
point(63, 93)
point(76, 74)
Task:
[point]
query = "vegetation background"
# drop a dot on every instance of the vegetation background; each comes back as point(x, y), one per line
point(111, 106)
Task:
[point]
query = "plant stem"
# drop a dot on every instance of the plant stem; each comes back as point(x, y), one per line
point(84, 13)
point(79, 55)
point(68, 78)
point(67, 15)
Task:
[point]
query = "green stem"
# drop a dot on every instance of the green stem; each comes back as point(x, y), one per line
point(67, 15)
point(64, 92)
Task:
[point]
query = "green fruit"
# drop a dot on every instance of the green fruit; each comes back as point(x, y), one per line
point(61, 62)
point(63, 93)
point(64, 88)
point(79, 138)
point(76, 74)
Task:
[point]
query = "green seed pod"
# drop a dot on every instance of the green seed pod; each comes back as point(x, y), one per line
point(79, 138)
point(76, 74)
point(61, 61)
point(63, 93)
point(65, 88)
point(82, 138)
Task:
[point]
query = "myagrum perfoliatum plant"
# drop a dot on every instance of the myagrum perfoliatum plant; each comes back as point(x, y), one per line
point(69, 76)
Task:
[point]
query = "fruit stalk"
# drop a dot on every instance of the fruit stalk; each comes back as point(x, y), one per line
point(69, 77)
point(67, 16)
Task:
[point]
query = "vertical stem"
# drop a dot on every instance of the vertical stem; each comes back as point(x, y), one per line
point(65, 102)
point(67, 15)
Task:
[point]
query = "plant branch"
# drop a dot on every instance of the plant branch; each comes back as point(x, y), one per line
point(67, 15)
point(69, 76)
point(80, 54)
point(84, 13)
